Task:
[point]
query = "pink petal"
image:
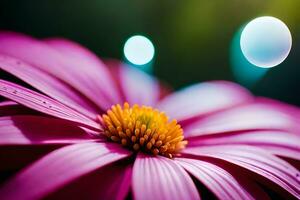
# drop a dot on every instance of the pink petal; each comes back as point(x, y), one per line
point(59, 168)
point(139, 87)
point(7, 103)
point(202, 99)
point(48, 84)
point(43, 103)
point(290, 110)
point(161, 178)
point(27, 130)
point(8, 108)
point(283, 107)
point(254, 116)
point(216, 179)
point(136, 86)
point(85, 58)
point(277, 142)
point(88, 77)
point(110, 182)
point(257, 161)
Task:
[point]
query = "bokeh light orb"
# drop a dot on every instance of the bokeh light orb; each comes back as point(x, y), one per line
point(139, 50)
point(243, 71)
point(266, 41)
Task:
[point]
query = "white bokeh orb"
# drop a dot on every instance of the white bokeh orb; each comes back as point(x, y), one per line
point(266, 41)
point(139, 50)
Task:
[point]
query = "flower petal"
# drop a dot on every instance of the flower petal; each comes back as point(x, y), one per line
point(161, 178)
point(277, 142)
point(136, 86)
point(87, 77)
point(110, 182)
point(9, 108)
point(204, 98)
point(48, 84)
point(59, 168)
point(257, 161)
point(43, 103)
point(290, 110)
point(88, 62)
point(219, 181)
point(28, 130)
point(254, 116)
point(139, 87)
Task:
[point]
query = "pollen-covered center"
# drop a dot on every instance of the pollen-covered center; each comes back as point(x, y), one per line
point(143, 128)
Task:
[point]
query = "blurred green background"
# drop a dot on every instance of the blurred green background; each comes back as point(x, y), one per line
point(192, 38)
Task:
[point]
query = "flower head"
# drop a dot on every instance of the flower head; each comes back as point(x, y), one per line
point(145, 128)
point(93, 130)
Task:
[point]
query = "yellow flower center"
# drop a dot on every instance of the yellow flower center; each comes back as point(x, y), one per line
point(143, 128)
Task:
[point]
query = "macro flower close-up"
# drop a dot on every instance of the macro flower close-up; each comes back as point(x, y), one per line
point(74, 126)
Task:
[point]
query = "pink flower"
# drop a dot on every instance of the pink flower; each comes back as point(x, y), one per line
point(239, 146)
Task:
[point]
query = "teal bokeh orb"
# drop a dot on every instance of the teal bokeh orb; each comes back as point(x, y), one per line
point(139, 50)
point(266, 41)
point(243, 71)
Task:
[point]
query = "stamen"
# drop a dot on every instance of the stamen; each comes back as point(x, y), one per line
point(142, 128)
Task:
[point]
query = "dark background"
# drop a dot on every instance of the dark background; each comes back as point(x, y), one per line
point(192, 38)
